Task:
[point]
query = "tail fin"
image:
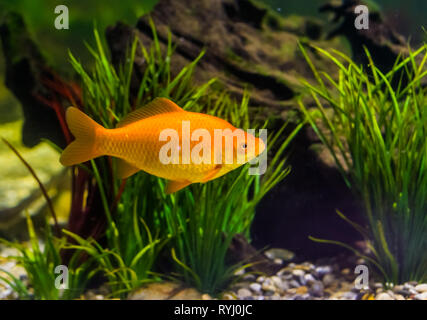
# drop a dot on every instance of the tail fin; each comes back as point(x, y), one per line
point(83, 148)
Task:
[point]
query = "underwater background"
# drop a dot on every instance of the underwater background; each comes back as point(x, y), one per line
point(269, 64)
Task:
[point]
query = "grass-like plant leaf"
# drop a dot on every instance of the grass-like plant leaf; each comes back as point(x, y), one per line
point(376, 132)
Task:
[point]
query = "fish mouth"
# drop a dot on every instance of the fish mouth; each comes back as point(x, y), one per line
point(260, 147)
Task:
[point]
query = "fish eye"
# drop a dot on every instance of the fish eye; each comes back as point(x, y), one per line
point(244, 145)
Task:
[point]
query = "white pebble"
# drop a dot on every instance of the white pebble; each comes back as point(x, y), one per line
point(413, 291)
point(305, 296)
point(378, 285)
point(249, 277)
point(408, 286)
point(255, 287)
point(383, 296)
point(268, 287)
point(244, 293)
point(276, 281)
point(421, 287)
point(309, 278)
point(298, 273)
point(322, 270)
point(421, 296)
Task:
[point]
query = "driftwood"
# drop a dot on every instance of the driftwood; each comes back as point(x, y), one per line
point(26, 73)
point(244, 46)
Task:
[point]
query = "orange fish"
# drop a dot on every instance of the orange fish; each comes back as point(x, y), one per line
point(164, 140)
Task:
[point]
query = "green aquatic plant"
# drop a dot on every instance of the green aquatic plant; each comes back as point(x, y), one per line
point(131, 206)
point(40, 260)
point(204, 218)
point(40, 184)
point(375, 126)
point(194, 226)
point(198, 223)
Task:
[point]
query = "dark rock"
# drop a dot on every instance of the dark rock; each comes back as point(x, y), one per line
point(26, 69)
point(247, 11)
point(241, 250)
point(240, 50)
point(383, 42)
point(305, 205)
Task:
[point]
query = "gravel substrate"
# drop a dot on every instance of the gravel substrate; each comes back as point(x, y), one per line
point(320, 281)
point(328, 279)
point(9, 265)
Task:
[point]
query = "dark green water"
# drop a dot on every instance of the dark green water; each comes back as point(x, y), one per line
point(407, 17)
point(83, 14)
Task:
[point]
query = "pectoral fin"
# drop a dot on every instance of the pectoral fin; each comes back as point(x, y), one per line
point(174, 186)
point(125, 169)
point(211, 174)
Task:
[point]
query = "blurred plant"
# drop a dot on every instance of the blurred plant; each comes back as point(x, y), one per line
point(131, 211)
point(204, 218)
point(39, 261)
point(377, 137)
point(40, 16)
point(197, 223)
point(129, 204)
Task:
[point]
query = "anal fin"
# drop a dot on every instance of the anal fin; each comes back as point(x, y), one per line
point(212, 173)
point(125, 169)
point(174, 186)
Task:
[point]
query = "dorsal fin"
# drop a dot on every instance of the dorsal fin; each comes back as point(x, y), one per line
point(155, 107)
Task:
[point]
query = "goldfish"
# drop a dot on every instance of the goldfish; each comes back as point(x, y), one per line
point(164, 140)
